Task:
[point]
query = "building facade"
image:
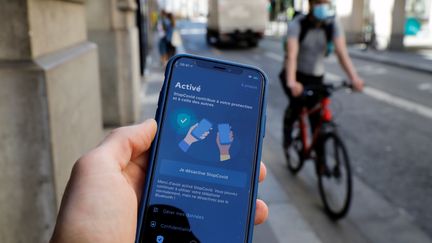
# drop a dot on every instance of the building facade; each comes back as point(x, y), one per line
point(67, 68)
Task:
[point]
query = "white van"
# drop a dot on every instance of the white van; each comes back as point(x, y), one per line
point(236, 20)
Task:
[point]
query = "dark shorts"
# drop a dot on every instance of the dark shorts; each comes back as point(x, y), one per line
point(296, 104)
point(303, 78)
point(163, 46)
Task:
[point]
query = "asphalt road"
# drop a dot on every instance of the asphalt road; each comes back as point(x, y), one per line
point(389, 142)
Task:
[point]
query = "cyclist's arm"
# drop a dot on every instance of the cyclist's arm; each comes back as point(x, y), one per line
point(291, 62)
point(345, 61)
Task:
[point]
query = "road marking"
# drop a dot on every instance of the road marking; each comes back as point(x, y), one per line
point(378, 94)
point(425, 87)
point(390, 99)
point(332, 77)
point(372, 70)
point(274, 56)
point(399, 102)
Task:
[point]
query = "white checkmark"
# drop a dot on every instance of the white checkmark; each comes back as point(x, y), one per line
point(183, 120)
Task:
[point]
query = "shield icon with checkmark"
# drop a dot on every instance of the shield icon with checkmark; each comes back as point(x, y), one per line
point(183, 120)
point(159, 239)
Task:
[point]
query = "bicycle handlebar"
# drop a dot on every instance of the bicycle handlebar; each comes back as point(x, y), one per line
point(325, 89)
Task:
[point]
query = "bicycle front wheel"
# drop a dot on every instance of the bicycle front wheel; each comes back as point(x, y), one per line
point(334, 176)
point(293, 151)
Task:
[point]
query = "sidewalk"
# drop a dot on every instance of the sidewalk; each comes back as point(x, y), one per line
point(278, 228)
point(416, 60)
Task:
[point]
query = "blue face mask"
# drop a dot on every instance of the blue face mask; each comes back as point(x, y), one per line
point(323, 11)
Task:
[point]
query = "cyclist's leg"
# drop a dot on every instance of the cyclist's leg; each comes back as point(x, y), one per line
point(314, 120)
point(292, 113)
point(294, 109)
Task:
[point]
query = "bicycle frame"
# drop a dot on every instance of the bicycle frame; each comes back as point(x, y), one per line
point(319, 143)
point(326, 116)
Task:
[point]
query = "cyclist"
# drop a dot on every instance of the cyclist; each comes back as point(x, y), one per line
point(310, 38)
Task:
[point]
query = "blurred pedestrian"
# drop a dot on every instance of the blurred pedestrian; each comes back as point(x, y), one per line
point(170, 30)
point(310, 38)
point(166, 28)
point(161, 29)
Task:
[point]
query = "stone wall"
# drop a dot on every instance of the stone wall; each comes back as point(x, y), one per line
point(50, 110)
point(112, 25)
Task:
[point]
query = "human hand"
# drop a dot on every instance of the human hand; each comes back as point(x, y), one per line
point(190, 139)
point(101, 200)
point(224, 148)
point(100, 203)
point(296, 88)
point(358, 84)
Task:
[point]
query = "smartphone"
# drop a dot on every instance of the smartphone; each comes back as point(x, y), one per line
point(224, 133)
point(190, 195)
point(203, 127)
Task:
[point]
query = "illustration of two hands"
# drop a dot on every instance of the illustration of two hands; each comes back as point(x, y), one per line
point(224, 147)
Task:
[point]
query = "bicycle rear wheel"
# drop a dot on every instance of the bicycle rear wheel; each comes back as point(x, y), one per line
point(293, 151)
point(334, 176)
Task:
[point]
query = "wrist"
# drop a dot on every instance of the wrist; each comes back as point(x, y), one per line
point(223, 150)
point(224, 157)
point(292, 84)
point(184, 146)
point(354, 77)
point(188, 140)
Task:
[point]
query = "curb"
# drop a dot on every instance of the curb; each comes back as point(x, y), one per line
point(427, 68)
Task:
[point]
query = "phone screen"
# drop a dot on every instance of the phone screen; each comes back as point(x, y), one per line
point(224, 133)
point(205, 160)
point(203, 127)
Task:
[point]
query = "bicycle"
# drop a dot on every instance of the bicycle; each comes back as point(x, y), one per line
point(326, 149)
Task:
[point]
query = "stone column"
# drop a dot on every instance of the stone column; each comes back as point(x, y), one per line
point(112, 25)
point(351, 14)
point(49, 110)
point(398, 25)
point(389, 19)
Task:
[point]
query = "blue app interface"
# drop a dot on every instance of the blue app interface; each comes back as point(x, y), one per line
point(201, 186)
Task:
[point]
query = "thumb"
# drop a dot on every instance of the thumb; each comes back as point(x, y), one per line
point(127, 143)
